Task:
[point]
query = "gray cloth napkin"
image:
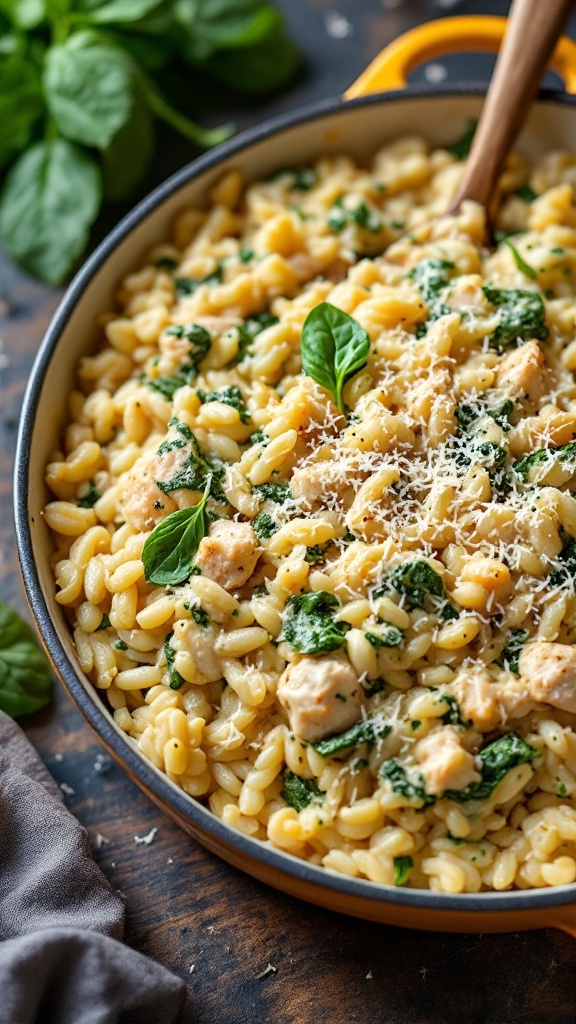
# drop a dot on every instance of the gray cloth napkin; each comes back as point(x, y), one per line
point(60, 920)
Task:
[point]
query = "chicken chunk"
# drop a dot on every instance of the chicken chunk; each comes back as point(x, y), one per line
point(142, 501)
point(549, 671)
point(474, 690)
point(523, 370)
point(321, 695)
point(444, 763)
point(229, 553)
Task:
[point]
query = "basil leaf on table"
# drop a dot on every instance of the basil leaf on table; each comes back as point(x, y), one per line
point(50, 199)
point(20, 104)
point(88, 88)
point(118, 12)
point(126, 159)
point(215, 25)
point(168, 554)
point(25, 14)
point(25, 679)
point(334, 347)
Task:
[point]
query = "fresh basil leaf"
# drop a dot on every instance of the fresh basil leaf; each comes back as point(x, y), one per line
point(128, 156)
point(334, 347)
point(213, 25)
point(50, 199)
point(116, 12)
point(25, 680)
point(21, 104)
point(259, 68)
point(25, 14)
point(524, 267)
point(89, 90)
point(168, 553)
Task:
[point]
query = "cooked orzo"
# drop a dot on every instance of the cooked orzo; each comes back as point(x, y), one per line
point(314, 523)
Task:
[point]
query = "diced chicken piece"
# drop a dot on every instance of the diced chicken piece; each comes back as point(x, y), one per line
point(549, 671)
point(444, 763)
point(513, 698)
point(523, 370)
point(143, 503)
point(474, 691)
point(321, 695)
point(313, 483)
point(199, 643)
point(229, 553)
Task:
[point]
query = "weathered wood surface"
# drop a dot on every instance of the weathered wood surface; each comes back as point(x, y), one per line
point(184, 907)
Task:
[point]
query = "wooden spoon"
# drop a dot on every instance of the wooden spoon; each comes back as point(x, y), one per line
point(533, 29)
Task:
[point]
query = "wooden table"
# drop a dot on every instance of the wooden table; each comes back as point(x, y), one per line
point(216, 928)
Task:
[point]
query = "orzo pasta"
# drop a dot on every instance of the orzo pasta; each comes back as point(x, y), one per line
point(338, 605)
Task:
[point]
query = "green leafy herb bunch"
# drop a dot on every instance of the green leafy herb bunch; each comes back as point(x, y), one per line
point(79, 97)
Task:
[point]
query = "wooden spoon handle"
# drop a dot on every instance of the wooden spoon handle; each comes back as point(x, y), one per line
point(533, 29)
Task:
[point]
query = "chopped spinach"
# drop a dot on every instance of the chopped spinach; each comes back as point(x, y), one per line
point(565, 575)
point(166, 263)
point(279, 492)
point(453, 716)
point(461, 147)
point(521, 316)
point(200, 343)
point(248, 330)
point(404, 785)
point(402, 868)
point(90, 498)
point(104, 622)
point(310, 626)
point(197, 472)
point(362, 732)
point(564, 454)
point(175, 678)
point(120, 645)
point(390, 637)
point(264, 526)
point(300, 178)
point(341, 216)
point(299, 792)
point(469, 415)
point(490, 454)
point(230, 395)
point(415, 581)
point(188, 285)
point(316, 553)
point(201, 618)
point(258, 437)
point(498, 758)
point(511, 654)
point(432, 280)
point(526, 193)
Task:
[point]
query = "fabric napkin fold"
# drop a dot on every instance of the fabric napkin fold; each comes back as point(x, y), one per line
point(61, 961)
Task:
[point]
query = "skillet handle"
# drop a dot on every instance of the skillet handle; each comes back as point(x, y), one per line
point(390, 69)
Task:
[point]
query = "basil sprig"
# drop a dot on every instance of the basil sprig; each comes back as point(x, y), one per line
point(25, 680)
point(334, 347)
point(168, 554)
